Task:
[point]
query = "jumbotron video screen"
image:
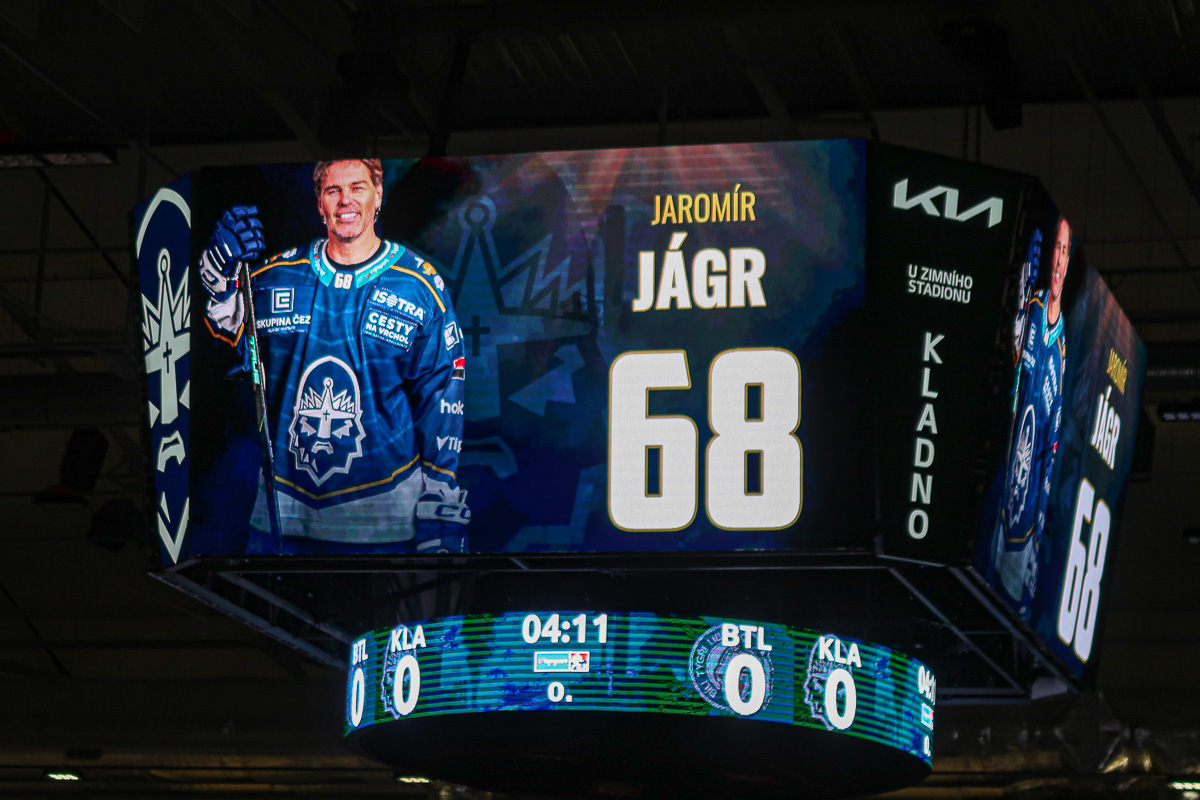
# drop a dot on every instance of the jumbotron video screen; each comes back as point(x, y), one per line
point(793, 347)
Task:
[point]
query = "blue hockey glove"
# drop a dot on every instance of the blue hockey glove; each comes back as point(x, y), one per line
point(1029, 274)
point(237, 238)
point(441, 520)
point(1033, 257)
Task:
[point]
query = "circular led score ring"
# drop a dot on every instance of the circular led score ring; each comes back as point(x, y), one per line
point(641, 662)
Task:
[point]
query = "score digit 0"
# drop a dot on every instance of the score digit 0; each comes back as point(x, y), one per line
point(557, 692)
point(732, 683)
point(405, 702)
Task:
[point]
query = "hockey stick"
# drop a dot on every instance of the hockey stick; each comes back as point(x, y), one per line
point(259, 377)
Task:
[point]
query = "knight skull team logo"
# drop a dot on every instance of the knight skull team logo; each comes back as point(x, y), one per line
point(1018, 480)
point(326, 433)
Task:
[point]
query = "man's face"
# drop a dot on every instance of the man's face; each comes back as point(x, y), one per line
point(1062, 255)
point(348, 200)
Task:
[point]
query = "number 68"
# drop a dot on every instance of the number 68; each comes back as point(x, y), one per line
point(770, 435)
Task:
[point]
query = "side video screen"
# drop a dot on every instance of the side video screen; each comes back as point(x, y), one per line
point(1051, 505)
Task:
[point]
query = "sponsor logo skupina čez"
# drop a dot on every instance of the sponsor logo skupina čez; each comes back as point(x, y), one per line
point(281, 299)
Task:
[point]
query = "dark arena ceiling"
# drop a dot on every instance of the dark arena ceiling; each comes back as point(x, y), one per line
point(149, 693)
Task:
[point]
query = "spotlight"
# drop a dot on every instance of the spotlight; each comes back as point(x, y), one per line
point(409, 778)
point(1180, 411)
point(31, 155)
point(62, 775)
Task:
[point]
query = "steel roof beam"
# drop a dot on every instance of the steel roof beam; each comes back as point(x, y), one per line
point(67, 401)
point(1154, 108)
point(79, 223)
point(250, 67)
point(546, 17)
point(1114, 139)
point(86, 109)
point(950, 626)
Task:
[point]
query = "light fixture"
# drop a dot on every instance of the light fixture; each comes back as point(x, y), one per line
point(79, 159)
point(409, 778)
point(62, 775)
point(18, 160)
point(1179, 411)
point(1185, 786)
point(30, 155)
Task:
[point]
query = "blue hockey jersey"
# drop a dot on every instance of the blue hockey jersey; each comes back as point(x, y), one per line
point(364, 370)
point(1034, 443)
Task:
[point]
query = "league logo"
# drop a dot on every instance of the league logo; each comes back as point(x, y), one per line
point(326, 432)
point(1022, 465)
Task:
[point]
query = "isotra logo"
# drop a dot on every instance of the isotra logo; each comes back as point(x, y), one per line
point(994, 206)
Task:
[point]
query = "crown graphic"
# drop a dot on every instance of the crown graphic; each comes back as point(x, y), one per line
point(530, 283)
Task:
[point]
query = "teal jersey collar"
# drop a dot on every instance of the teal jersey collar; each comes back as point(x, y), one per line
point(387, 255)
point(1051, 333)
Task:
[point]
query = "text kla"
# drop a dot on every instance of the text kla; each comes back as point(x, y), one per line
point(403, 639)
point(831, 648)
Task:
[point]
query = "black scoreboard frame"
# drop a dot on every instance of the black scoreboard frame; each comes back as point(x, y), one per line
point(945, 615)
point(943, 612)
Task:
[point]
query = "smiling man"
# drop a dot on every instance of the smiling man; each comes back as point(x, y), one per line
point(364, 369)
point(1037, 403)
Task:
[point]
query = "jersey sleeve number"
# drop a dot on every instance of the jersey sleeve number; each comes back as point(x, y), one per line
point(754, 462)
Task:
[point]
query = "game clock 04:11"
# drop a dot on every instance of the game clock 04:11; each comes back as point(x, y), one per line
point(642, 662)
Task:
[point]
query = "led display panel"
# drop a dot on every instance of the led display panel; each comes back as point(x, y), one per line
point(940, 244)
point(625, 350)
point(1071, 420)
point(797, 347)
point(161, 245)
point(765, 676)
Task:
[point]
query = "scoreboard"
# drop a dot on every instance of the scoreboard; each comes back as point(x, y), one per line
point(824, 689)
point(741, 355)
